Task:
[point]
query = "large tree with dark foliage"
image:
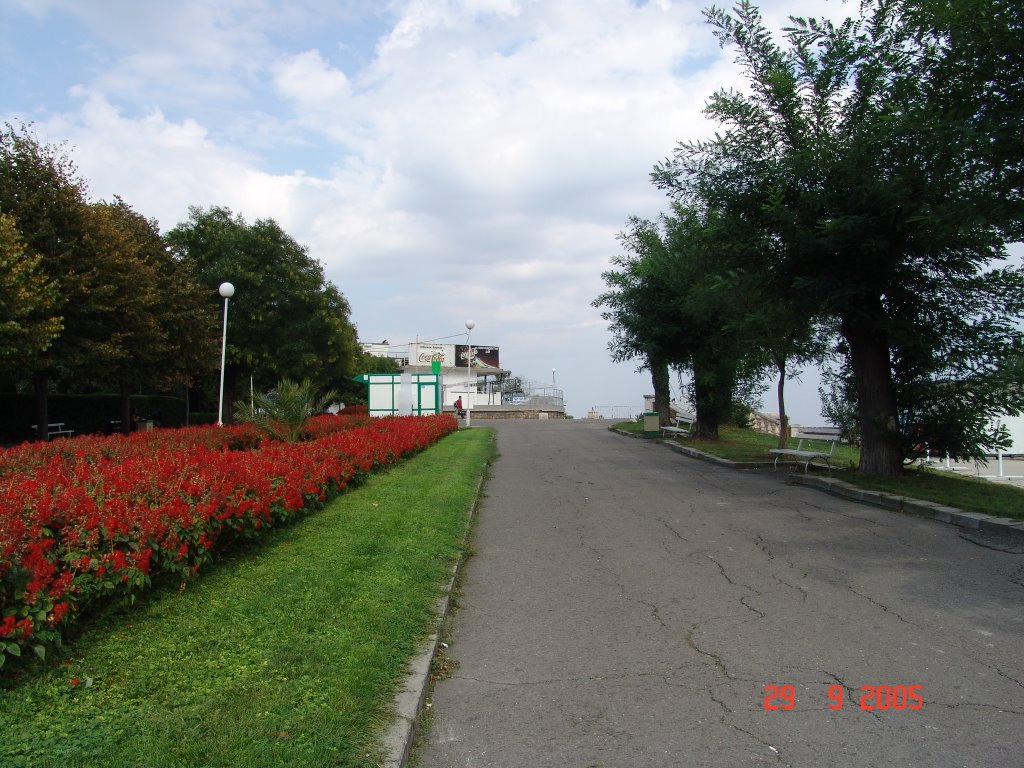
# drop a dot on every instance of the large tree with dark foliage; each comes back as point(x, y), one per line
point(640, 308)
point(867, 152)
point(285, 320)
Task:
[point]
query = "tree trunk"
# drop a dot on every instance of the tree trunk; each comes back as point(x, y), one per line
point(660, 380)
point(714, 381)
point(126, 407)
point(876, 395)
point(40, 387)
point(780, 364)
point(707, 412)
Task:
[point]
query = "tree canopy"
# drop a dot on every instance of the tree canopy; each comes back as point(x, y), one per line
point(876, 184)
point(98, 299)
point(285, 319)
point(28, 325)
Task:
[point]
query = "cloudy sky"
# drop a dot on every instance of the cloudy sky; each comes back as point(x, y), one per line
point(443, 159)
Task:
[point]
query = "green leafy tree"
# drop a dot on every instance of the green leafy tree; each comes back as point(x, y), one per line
point(886, 205)
point(352, 391)
point(41, 190)
point(285, 319)
point(673, 305)
point(28, 325)
point(160, 326)
point(640, 309)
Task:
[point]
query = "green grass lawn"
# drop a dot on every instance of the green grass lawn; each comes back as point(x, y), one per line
point(286, 654)
point(965, 493)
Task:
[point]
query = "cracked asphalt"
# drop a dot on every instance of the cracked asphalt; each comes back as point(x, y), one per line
point(627, 606)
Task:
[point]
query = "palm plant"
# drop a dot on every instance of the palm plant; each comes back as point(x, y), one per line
point(282, 413)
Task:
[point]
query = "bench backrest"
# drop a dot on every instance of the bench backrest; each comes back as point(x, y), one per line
point(685, 420)
point(831, 434)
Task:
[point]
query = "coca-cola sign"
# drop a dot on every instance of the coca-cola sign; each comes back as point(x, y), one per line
point(425, 354)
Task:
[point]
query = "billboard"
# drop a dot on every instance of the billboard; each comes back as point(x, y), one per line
point(425, 354)
point(483, 357)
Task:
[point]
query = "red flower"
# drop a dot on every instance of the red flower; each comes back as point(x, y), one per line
point(94, 517)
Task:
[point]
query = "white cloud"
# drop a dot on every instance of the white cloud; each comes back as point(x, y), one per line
point(479, 163)
point(308, 81)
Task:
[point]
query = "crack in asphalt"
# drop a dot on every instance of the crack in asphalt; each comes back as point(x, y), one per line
point(713, 656)
point(765, 547)
point(803, 592)
point(654, 611)
point(1000, 542)
point(1017, 577)
point(775, 752)
point(760, 614)
point(851, 692)
point(883, 606)
point(719, 702)
point(1002, 674)
point(677, 534)
point(742, 601)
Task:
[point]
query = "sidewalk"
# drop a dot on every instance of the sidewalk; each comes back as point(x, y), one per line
point(626, 606)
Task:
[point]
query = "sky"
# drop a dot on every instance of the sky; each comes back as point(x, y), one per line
point(444, 160)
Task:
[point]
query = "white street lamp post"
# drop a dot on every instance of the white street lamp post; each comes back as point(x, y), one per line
point(469, 365)
point(227, 290)
point(553, 377)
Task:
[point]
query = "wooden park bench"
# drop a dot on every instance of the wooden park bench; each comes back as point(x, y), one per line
point(808, 434)
point(682, 425)
point(57, 429)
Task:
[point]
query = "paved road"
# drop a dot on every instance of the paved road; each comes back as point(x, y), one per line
point(626, 606)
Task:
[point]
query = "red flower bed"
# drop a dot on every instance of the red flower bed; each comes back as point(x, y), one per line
point(89, 519)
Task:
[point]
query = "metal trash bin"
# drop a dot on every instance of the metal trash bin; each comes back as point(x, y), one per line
point(652, 424)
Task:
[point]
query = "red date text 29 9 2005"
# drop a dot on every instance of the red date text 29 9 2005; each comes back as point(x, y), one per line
point(872, 697)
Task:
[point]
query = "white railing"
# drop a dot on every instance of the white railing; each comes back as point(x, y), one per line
point(616, 412)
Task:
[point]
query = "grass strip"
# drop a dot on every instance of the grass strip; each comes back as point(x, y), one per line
point(286, 654)
point(970, 494)
point(967, 493)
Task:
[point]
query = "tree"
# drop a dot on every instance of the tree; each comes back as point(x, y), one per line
point(640, 309)
point(285, 319)
point(886, 206)
point(160, 327)
point(28, 324)
point(40, 189)
point(352, 391)
point(673, 305)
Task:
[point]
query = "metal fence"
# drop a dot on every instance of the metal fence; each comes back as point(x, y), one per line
point(515, 390)
point(616, 412)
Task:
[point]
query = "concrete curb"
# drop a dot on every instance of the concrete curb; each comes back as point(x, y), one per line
point(693, 453)
point(412, 693)
point(944, 514)
point(929, 509)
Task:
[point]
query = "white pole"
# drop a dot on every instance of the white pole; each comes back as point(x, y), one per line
point(469, 366)
point(227, 290)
